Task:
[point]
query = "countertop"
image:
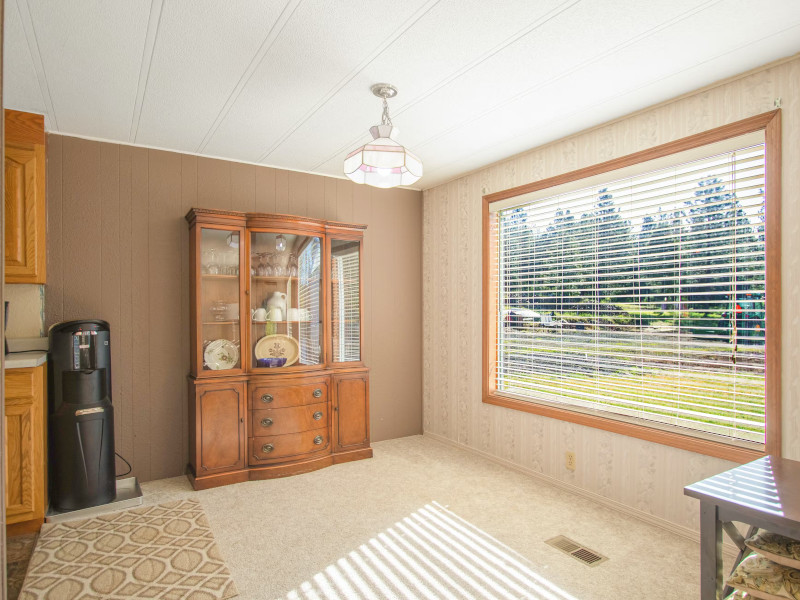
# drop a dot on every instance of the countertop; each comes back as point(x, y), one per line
point(22, 360)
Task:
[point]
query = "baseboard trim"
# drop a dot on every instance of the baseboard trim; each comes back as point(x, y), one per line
point(727, 548)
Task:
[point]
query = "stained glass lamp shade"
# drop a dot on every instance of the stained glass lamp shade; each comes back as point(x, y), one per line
point(383, 162)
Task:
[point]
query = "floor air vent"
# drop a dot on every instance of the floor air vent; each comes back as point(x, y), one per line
point(576, 551)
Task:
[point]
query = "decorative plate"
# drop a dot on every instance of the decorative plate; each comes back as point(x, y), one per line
point(278, 346)
point(221, 354)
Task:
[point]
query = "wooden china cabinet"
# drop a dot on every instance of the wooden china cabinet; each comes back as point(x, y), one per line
point(277, 384)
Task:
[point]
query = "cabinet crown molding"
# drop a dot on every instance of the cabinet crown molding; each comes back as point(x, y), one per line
point(255, 219)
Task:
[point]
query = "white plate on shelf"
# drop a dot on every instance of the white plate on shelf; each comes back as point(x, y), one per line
point(221, 354)
point(278, 346)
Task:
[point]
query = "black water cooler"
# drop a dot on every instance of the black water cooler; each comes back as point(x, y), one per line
point(81, 418)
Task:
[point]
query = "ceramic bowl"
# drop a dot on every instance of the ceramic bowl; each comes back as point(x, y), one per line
point(270, 362)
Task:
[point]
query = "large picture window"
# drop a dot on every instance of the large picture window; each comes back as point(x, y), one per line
point(639, 296)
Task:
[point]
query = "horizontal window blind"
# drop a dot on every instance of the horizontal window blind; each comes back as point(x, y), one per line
point(308, 301)
point(346, 307)
point(642, 298)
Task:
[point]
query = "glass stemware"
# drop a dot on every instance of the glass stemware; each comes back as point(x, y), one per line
point(231, 266)
point(213, 264)
point(262, 265)
point(278, 265)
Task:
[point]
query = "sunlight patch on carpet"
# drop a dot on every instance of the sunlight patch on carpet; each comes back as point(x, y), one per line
point(431, 554)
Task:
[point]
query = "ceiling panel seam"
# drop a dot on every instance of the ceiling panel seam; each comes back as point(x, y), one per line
point(38, 64)
point(566, 73)
point(570, 116)
point(380, 49)
point(518, 35)
point(266, 45)
point(153, 22)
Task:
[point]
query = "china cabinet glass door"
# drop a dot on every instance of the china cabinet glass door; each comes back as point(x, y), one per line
point(346, 300)
point(219, 299)
point(285, 300)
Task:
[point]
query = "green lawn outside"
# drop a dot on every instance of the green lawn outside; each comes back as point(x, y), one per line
point(530, 365)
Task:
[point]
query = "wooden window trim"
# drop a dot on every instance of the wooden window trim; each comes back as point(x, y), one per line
point(770, 123)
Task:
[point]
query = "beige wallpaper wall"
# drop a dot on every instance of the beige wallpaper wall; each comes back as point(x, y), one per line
point(644, 476)
point(25, 310)
point(118, 249)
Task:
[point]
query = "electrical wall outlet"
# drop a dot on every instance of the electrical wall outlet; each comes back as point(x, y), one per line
point(571, 462)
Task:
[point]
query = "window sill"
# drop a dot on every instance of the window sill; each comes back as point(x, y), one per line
point(642, 432)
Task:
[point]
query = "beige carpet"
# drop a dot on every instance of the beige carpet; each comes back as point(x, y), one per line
point(160, 551)
point(428, 521)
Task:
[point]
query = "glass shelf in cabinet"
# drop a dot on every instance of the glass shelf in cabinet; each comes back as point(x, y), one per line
point(284, 322)
point(273, 278)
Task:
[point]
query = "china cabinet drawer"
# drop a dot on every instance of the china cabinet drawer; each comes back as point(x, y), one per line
point(278, 421)
point(276, 448)
point(272, 396)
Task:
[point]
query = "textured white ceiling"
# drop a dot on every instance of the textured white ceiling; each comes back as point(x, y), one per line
point(286, 82)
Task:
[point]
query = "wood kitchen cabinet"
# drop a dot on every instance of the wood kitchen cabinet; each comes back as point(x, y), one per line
point(277, 384)
point(26, 449)
point(26, 224)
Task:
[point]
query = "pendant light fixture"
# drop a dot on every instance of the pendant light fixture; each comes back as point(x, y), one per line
point(383, 162)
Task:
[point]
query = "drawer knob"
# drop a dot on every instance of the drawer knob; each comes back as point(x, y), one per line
point(317, 415)
point(267, 448)
point(266, 422)
point(266, 398)
point(318, 440)
point(317, 393)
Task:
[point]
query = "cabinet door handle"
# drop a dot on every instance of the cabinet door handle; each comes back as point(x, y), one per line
point(317, 415)
point(266, 422)
point(267, 448)
point(318, 440)
point(317, 393)
point(266, 398)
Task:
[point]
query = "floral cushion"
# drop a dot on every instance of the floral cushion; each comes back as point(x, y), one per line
point(762, 578)
point(777, 548)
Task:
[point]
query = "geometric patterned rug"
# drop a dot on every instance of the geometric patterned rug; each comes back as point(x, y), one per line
point(161, 551)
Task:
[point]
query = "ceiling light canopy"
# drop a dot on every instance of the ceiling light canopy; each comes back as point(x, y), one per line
point(383, 162)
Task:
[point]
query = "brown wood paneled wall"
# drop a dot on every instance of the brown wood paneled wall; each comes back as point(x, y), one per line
point(118, 250)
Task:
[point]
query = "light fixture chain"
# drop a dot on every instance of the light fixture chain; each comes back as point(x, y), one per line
point(385, 118)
